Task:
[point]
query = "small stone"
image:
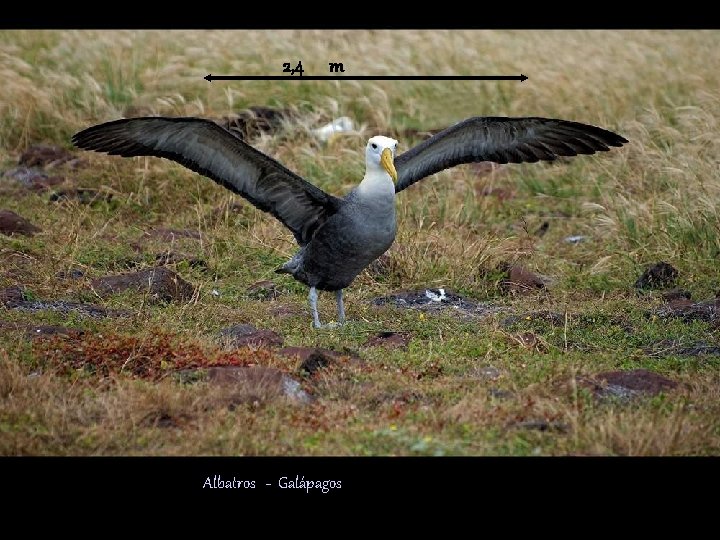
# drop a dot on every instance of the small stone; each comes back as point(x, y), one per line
point(521, 280)
point(161, 283)
point(258, 383)
point(658, 276)
point(246, 335)
point(11, 223)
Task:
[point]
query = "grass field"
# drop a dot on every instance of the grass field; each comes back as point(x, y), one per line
point(511, 383)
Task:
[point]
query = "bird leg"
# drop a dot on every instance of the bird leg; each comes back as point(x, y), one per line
point(340, 306)
point(313, 306)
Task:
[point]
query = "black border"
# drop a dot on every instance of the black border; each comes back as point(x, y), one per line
point(508, 481)
point(364, 15)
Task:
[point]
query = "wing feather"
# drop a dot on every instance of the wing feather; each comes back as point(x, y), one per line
point(208, 149)
point(502, 140)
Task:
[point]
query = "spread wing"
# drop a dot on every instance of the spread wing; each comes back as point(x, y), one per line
point(502, 140)
point(206, 148)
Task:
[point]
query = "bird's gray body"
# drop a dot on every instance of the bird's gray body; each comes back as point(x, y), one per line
point(363, 228)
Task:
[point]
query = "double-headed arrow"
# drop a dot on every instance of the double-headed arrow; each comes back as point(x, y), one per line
point(211, 78)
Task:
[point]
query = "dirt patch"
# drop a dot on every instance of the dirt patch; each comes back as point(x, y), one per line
point(389, 339)
point(263, 290)
point(44, 155)
point(65, 307)
point(43, 330)
point(160, 283)
point(153, 356)
point(626, 385)
point(11, 223)
point(282, 311)
point(676, 294)
point(659, 276)
point(437, 300)
point(11, 296)
point(246, 335)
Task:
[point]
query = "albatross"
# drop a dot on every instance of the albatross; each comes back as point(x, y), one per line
point(339, 237)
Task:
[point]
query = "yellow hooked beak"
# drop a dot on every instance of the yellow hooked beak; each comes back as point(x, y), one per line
point(386, 160)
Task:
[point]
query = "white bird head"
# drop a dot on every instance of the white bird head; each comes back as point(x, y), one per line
point(380, 155)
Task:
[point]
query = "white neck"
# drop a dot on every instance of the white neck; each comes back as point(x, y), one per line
point(376, 183)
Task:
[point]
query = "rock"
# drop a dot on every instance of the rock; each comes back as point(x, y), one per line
point(12, 296)
point(522, 280)
point(74, 273)
point(689, 311)
point(626, 385)
point(43, 155)
point(263, 290)
point(257, 383)
point(246, 335)
point(576, 239)
point(81, 195)
point(326, 133)
point(161, 283)
point(540, 232)
point(389, 339)
point(437, 300)
point(312, 359)
point(658, 276)
point(33, 179)
point(314, 362)
point(11, 223)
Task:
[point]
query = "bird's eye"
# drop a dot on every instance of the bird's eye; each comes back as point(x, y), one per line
point(374, 146)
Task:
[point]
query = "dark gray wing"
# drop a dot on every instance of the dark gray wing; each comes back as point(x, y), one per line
point(502, 140)
point(206, 148)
